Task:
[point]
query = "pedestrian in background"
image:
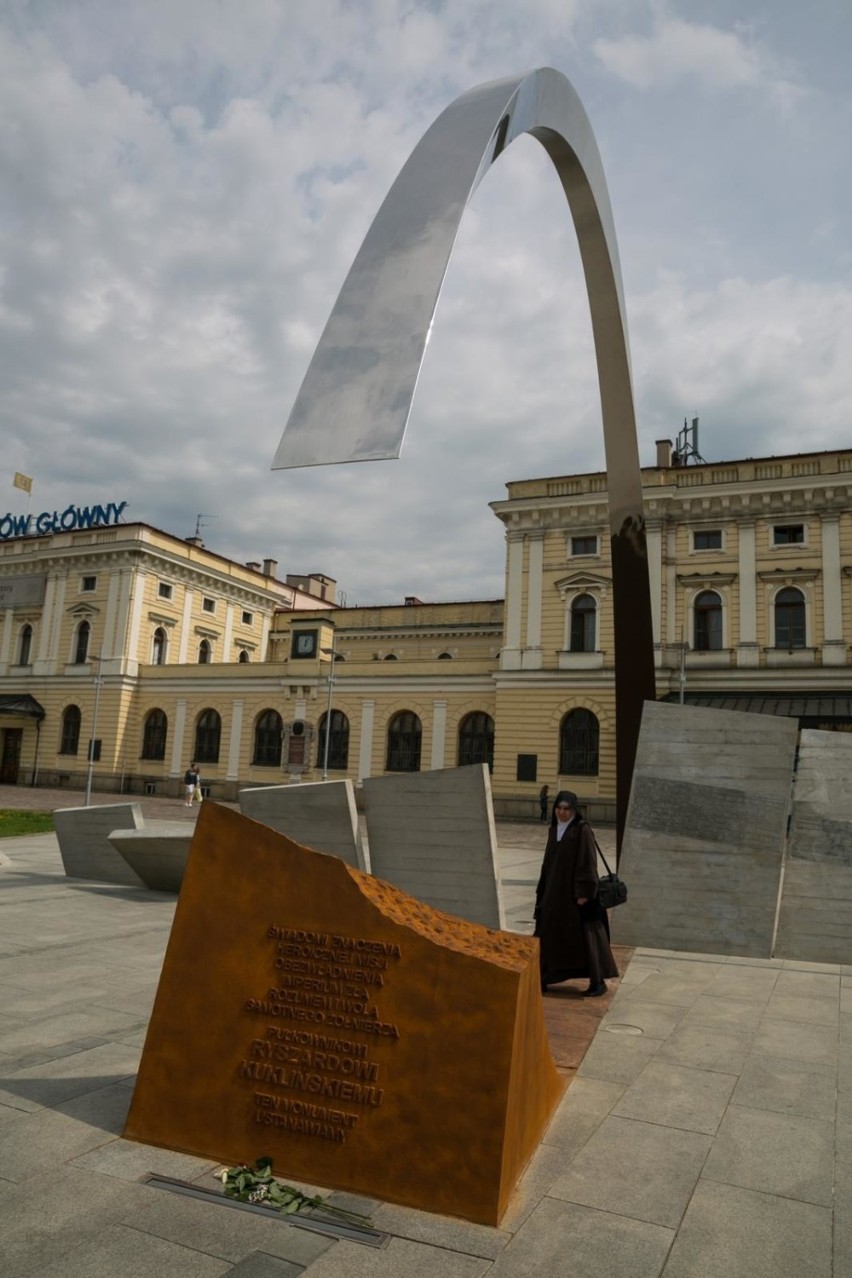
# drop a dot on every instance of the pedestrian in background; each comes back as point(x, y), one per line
point(542, 801)
point(191, 781)
point(570, 922)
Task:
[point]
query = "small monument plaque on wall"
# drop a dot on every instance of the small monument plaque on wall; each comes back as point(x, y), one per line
point(364, 1041)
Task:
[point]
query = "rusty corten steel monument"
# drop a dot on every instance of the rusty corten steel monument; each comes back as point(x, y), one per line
point(356, 396)
point(303, 1014)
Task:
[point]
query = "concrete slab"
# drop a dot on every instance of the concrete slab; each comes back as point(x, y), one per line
point(433, 835)
point(561, 1238)
point(83, 834)
point(636, 1169)
point(400, 1259)
point(321, 816)
point(705, 830)
point(157, 854)
point(729, 1232)
point(117, 1250)
point(815, 917)
point(773, 1153)
point(676, 1096)
point(787, 1087)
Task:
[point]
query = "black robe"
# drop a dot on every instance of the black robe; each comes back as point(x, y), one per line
point(573, 939)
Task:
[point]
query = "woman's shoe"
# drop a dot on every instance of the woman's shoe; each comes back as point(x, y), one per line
point(595, 991)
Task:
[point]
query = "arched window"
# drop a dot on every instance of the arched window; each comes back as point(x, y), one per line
point(708, 621)
point(158, 648)
point(25, 645)
point(243, 657)
point(204, 652)
point(391, 656)
point(81, 648)
point(445, 656)
point(790, 618)
point(70, 740)
point(404, 736)
point(583, 612)
point(268, 733)
point(578, 744)
point(154, 735)
point(476, 739)
point(208, 733)
point(338, 743)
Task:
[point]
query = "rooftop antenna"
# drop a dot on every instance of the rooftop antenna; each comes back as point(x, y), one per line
point(687, 444)
point(202, 519)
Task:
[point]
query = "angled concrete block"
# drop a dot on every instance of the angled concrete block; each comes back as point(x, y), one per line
point(705, 832)
point(815, 919)
point(432, 834)
point(157, 854)
point(83, 835)
point(321, 816)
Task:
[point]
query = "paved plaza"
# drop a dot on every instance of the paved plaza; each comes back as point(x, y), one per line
point(707, 1132)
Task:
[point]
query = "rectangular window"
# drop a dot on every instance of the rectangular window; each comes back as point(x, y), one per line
point(88, 584)
point(707, 539)
point(164, 590)
point(527, 767)
point(209, 605)
point(788, 535)
point(584, 545)
point(248, 618)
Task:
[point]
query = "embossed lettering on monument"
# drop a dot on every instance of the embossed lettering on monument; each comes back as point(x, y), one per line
point(332, 980)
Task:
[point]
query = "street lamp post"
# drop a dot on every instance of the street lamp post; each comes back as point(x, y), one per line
point(331, 652)
point(92, 738)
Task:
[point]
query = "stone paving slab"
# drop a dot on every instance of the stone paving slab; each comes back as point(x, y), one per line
point(707, 1132)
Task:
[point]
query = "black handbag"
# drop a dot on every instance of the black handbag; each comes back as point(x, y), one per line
point(612, 890)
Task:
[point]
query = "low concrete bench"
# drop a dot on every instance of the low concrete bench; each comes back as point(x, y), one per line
point(83, 835)
point(157, 853)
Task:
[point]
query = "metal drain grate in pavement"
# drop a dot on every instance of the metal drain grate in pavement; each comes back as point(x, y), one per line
point(316, 1222)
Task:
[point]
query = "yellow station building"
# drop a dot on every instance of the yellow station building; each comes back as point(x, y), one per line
point(162, 652)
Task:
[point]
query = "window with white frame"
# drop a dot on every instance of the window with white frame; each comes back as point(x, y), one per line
point(707, 621)
point(790, 619)
point(788, 534)
point(164, 590)
point(88, 584)
point(209, 605)
point(583, 624)
point(584, 544)
point(707, 539)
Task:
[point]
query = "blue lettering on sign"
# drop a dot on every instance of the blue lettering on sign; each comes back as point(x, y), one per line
point(73, 517)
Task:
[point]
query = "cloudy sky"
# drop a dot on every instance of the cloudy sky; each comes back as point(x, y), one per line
point(184, 185)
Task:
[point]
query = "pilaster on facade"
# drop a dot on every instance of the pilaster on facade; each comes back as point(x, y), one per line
point(233, 772)
point(365, 744)
point(439, 734)
point(531, 658)
point(747, 645)
point(177, 762)
point(510, 657)
point(832, 584)
point(654, 541)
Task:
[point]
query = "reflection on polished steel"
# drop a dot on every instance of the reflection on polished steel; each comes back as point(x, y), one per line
point(356, 397)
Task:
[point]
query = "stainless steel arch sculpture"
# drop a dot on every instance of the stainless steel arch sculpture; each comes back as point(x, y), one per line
point(356, 396)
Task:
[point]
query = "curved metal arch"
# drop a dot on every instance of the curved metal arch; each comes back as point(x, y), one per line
point(355, 400)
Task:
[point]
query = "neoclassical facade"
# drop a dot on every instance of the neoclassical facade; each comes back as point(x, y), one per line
point(202, 658)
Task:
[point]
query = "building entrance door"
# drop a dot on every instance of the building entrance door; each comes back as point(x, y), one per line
point(11, 757)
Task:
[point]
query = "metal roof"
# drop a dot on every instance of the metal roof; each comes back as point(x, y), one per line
point(22, 703)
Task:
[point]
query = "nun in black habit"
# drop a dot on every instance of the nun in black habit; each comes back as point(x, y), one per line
point(570, 923)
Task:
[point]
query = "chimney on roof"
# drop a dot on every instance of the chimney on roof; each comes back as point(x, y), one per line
point(195, 541)
point(254, 564)
point(664, 453)
point(270, 567)
point(411, 601)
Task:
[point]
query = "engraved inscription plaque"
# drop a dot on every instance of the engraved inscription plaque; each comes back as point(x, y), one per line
point(364, 1041)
